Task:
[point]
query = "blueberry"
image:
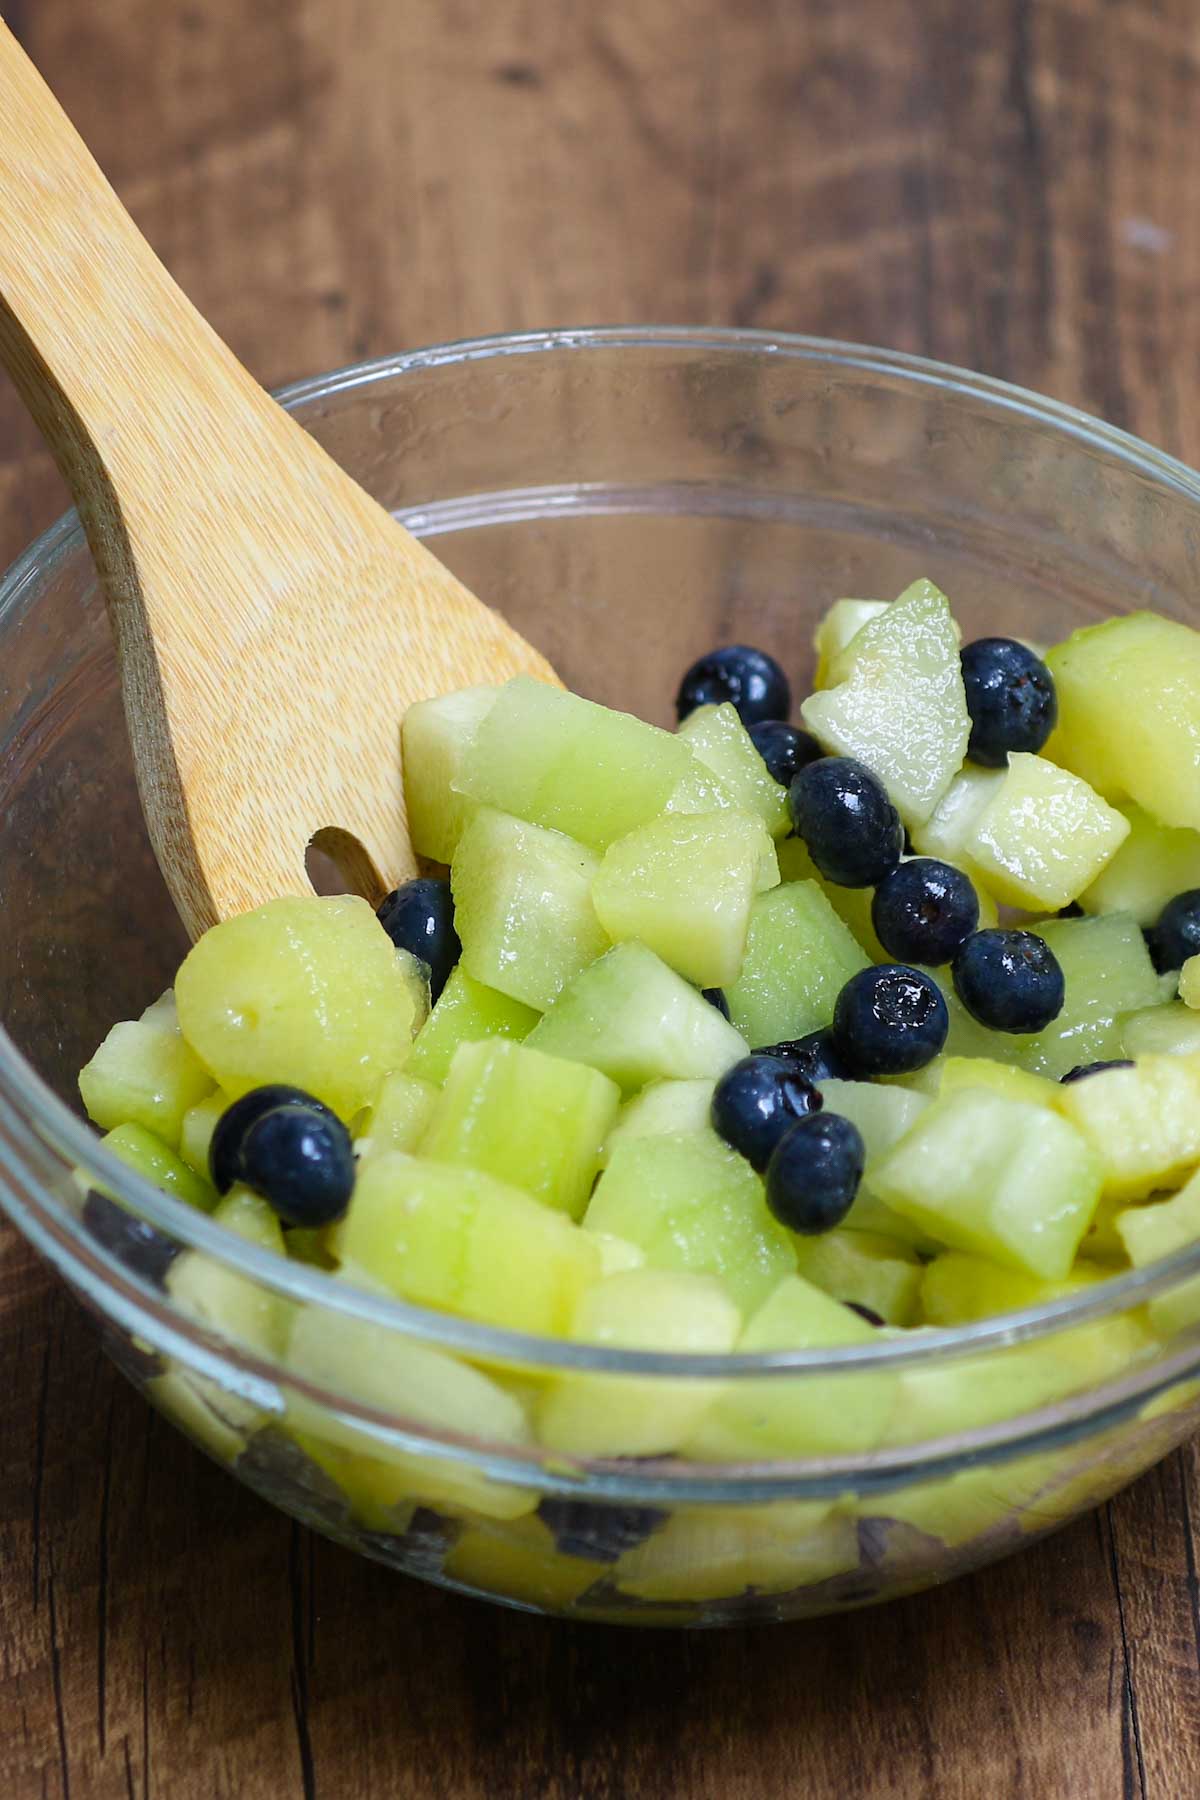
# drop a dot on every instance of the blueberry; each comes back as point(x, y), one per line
point(1072, 910)
point(420, 917)
point(784, 748)
point(1009, 980)
point(1176, 936)
point(225, 1147)
point(1081, 1071)
point(716, 997)
point(865, 1312)
point(924, 911)
point(137, 1245)
point(751, 679)
point(814, 1173)
point(596, 1532)
point(852, 830)
point(1010, 697)
point(296, 1154)
point(815, 1056)
point(890, 1020)
point(756, 1101)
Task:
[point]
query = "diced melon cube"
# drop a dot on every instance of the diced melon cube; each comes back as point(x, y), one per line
point(996, 1177)
point(883, 1114)
point(717, 738)
point(1043, 836)
point(460, 1240)
point(877, 1272)
point(532, 1120)
point(521, 1561)
point(163, 1012)
point(764, 1418)
point(957, 1289)
point(901, 707)
point(947, 832)
point(523, 907)
point(708, 1553)
point(216, 1296)
point(560, 761)
point(199, 1123)
point(836, 632)
point(466, 1011)
point(1189, 983)
point(617, 1255)
point(149, 1157)
point(398, 1118)
point(1143, 1123)
point(637, 1021)
point(661, 1110)
point(1155, 863)
point(1150, 1233)
point(307, 991)
point(999, 1077)
point(693, 1204)
point(1129, 713)
point(699, 791)
point(434, 736)
point(683, 886)
point(1171, 1030)
point(144, 1074)
point(621, 1415)
point(799, 956)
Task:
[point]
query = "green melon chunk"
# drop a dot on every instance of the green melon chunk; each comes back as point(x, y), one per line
point(957, 1289)
point(199, 1123)
point(661, 1110)
point(144, 1074)
point(1150, 1233)
point(434, 736)
point(883, 1114)
point(158, 1163)
point(466, 1011)
point(836, 633)
point(877, 1272)
point(232, 1305)
point(1170, 1030)
point(1155, 863)
point(799, 956)
point(397, 1120)
point(717, 738)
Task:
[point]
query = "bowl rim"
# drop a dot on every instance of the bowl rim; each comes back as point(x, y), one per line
point(33, 1117)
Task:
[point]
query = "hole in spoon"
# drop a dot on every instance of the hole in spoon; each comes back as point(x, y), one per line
point(336, 863)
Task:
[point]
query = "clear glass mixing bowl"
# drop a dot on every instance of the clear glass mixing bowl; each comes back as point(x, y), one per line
point(627, 498)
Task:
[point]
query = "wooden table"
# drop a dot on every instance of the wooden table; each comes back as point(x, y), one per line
point(1001, 183)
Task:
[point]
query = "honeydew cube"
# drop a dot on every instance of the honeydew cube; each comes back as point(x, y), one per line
point(700, 791)
point(308, 991)
point(563, 762)
point(1044, 836)
point(948, 830)
point(717, 738)
point(706, 1553)
point(149, 1157)
point(1001, 1078)
point(636, 1020)
point(799, 956)
point(836, 633)
point(661, 1110)
point(434, 736)
point(616, 1415)
point(144, 1074)
point(398, 1119)
point(523, 907)
point(527, 1567)
point(901, 707)
point(199, 1123)
point(1189, 983)
point(957, 1289)
point(693, 1205)
point(462, 1241)
point(883, 1114)
point(1155, 863)
point(995, 1177)
point(860, 1266)
point(617, 1255)
point(231, 1305)
point(531, 1120)
point(1150, 1233)
point(1129, 713)
point(466, 1011)
point(1143, 1123)
point(683, 886)
point(1170, 1030)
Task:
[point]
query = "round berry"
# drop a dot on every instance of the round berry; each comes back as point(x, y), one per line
point(850, 827)
point(784, 748)
point(1176, 935)
point(716, 997)
point(288, 1147)
point(1010, 697)
point(225, 1145)
point(136, 1244)
point(816, 1057)
point(751, 679)
point(1009, 980)
point(890, 1020)
point(596, 1532)
point(419, 917)
point(1081, 1071)
point(924, 911)
point(755, 1102)
point(814, 1173)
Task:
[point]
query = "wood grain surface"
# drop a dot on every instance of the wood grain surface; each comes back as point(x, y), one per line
point(1010, 184)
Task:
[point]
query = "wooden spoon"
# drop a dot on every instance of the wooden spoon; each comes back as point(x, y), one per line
point(272, 621)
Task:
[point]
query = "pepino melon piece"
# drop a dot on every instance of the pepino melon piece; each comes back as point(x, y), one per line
point(144, 1074)
point(1155, 863)
point(1142, 1123)
point(836, 632)
point(1129, 713)
point(557, 760)
point(661, 1110)
point(693, 1204)
point(636, 1020)
point(1043, 836)
point(398, 1118)
point(532, 1120)
point(466, 1011)
point(1170, 1030)
point(149, 1157)
point(799, 956)
point(683, 886)
point(717, 739)
point(645, 1309)
point(434, 736)
point(995, 1177)
point(872, 1271)
point(460, 1240)
point(901, 707)
point(523, 907)
point(307, 991)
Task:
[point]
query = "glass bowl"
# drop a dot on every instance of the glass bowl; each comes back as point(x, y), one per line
point(628, 498)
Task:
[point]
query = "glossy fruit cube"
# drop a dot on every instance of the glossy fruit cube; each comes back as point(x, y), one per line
point(717, 738)
point(836, 632)
point(1150, 1233)
point(1164, 1030)
point(199, 1123)
point(149, 1157)
point(1043, 836)
point(232, 1305)
point(799, 956)
point(397, 1120)
point(1143, 1123)
point(878, 1273)
point(1155, 863)
point(434, 737)
point(662, 1109)
point(466, 1011)
point(144, 1074)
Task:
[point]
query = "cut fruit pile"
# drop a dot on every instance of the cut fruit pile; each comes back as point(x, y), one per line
point(746, 1036)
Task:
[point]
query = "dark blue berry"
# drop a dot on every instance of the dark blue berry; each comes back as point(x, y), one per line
point(225, 1145)
point(1010, 697)
point(813, 1176)
point(924, 911)
point(1081, 1071)
point(850, 827)
point(1009, 980)
point(816, 1057)
point(1072, 910)
point(136, 1244)
point(1176, 935)
point(596, 1532)
point(419, 917)
point(755, 1102)
point(297, 1155)
point(784, 748)
point(865, 1312)
point(716, 997)
point(751, 679)
point(890, 1020)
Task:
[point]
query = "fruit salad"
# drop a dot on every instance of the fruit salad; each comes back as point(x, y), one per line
point(768, 1032)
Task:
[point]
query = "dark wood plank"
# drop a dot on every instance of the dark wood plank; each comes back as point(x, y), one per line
point(1005, 185)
